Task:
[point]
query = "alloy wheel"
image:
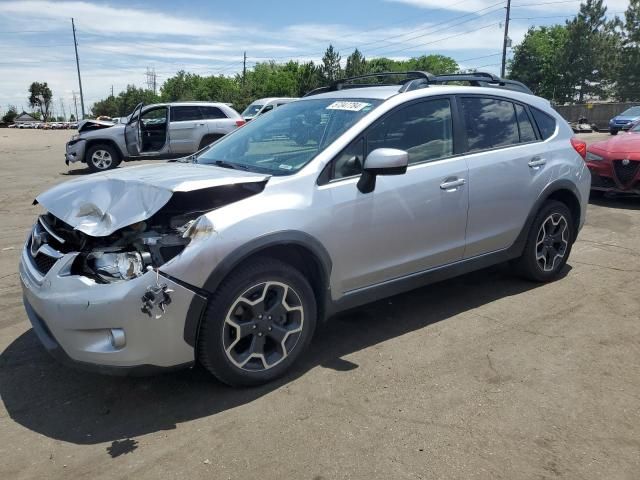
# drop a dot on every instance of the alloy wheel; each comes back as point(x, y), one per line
point(263, 326)
point(552, 242)
point(101, 159)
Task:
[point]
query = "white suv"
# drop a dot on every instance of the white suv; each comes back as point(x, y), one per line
point(166, 130)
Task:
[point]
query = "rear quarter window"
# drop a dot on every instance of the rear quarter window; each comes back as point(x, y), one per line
point(546, 123)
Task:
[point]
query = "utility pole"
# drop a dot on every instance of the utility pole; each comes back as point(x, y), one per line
point(75, 44)
point(506, 39)
point(112, 90)
point(64, 111)
point(244, 67)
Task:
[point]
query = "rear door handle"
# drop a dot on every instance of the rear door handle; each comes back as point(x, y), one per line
point(537, 162)
point(452, 184)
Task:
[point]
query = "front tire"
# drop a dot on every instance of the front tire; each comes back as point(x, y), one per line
point(548, 243)
point(258, 323)
point(102, 157)
point(613, 132)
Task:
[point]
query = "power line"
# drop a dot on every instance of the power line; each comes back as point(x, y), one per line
point(518, 5)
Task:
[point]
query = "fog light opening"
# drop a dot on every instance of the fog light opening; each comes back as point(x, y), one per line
point(117, 337)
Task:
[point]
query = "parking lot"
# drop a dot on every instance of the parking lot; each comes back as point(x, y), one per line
point(483, 376)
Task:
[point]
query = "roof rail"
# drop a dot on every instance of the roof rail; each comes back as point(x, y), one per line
point(344, 83)
point(482, 79)
point(417, 79)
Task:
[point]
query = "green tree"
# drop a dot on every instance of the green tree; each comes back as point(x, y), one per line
point(309, 78)
point(11, 114)
point(72, 118)
point(356, 64)
point(40, 96)
point(436, 64)
point(628, 79)
point(537, 62)
point(589, 56)
point(331, 69)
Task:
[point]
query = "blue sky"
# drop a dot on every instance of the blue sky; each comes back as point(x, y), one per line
point(118, 39)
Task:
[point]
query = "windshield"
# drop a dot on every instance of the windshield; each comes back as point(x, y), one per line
point(284, 141)
point(635, 128)
point(631, 112)
point(252, 109)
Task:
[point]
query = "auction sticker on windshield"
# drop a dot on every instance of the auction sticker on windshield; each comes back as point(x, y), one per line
point(350, 106)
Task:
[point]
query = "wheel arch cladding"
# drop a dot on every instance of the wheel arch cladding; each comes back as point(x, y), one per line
point(570, 199)
point(561, 190)
point(298, 249)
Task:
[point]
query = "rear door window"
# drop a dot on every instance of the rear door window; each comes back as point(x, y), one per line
point(186, 113)
point(211, 113)
point(546, 123)
point(489, 123)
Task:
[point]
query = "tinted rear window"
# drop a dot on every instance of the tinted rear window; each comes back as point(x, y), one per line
point(489, 123)
point(546, 123)
point(183, 114)
point(209, 113)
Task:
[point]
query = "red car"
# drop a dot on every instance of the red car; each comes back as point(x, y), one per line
point(615, 163)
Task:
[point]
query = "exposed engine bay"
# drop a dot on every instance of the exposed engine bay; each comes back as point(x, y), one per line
point(130, 251)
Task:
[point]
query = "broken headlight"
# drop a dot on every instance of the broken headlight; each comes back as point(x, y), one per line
point(116, 266)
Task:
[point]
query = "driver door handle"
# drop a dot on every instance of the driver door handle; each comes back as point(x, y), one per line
point(451, 185)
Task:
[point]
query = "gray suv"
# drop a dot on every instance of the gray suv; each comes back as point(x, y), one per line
point(166, 130)
point(232, 256)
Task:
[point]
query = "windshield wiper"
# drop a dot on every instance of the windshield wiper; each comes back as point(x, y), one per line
point(235, 166)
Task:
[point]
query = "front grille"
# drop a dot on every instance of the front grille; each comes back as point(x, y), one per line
point(44, 263)
point(625, 173)
point(602, 182)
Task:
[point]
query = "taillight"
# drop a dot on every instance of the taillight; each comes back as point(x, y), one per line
point(580, 146)
point(239, 123)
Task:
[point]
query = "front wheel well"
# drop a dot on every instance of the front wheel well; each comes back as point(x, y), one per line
point(102, 141)
point(302, 259)
point(573, 204)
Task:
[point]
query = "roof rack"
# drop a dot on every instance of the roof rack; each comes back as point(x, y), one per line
point(344, 83)
point(416, 79)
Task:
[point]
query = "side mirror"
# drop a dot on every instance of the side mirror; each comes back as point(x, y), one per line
point(382, 161)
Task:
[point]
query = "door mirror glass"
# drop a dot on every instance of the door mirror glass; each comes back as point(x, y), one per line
point(382, 161)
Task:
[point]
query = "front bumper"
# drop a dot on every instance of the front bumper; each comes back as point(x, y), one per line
point(604, 177)
point(74, 151)
point(76, 318)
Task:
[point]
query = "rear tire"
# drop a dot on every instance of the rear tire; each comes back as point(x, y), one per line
point(102, 157)
point(548, 245)
point(259, 322)
point(613, 132)
point(208, 140)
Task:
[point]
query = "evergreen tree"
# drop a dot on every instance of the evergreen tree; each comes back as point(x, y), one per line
point(628, 81)
point(356, 64)
point(331, 69)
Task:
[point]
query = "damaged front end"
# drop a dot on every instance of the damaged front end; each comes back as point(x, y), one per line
point(130, 251)
point(91, 269)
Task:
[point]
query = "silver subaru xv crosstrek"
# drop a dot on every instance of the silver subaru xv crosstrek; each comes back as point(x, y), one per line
point(230, 257)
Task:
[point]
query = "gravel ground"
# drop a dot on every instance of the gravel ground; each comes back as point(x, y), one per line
point(483, 376)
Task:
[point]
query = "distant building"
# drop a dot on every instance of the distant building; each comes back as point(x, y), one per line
point(24, 117)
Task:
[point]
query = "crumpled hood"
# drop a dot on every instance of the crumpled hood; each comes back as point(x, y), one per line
point(622, 143)
point(101, 203)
